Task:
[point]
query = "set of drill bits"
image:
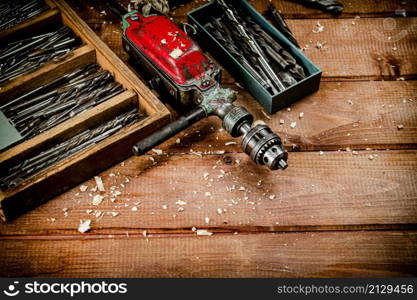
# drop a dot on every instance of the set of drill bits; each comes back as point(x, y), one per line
point(42, 160)
point(14, 12)
point(25, 55)
point(49, 105)
point(261, 55)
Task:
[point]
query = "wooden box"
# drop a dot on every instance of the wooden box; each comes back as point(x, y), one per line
point(81, 166)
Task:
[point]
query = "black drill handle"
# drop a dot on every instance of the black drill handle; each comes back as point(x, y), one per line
point(169, 131)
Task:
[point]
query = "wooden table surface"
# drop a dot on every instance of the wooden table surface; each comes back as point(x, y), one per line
point(346, 205)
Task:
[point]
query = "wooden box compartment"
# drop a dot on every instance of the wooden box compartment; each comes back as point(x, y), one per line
point(82, 165)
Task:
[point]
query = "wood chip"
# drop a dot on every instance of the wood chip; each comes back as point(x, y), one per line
point(293, 124)
point(207, 220)
point(301, 115)
point(204, 232)
point(83, 188)
point(99, 183)
point(399, 127)
point(180, 202)
point(207, 194)
point(84, 226)
point(134, 208)
point(281, 121)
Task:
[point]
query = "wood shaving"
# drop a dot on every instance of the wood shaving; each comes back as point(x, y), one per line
point(207, 220)
point(85, 225)
point(204, 232)
point(281, 122)
point(180, 202)
point(207, 194)
point(230, 143)
point(293, 124)
point(206, 176)
point(301, 115)
point(399, 127)
point(319, 28)
point(97, 199)
point(134, 208)
point(99, 183)
point(371, 157)
point(321, 153)
point(178, 141)
point(83, 188)
point(219, 211)
point(164, 206)
point(193, 229)
point(157, 151)
point(272, 197)
point(144, 233)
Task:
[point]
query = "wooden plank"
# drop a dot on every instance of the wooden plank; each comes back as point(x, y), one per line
point(351, 52)
point(331, 191)
point(352, 8)
point(330, 122)
point(329, 254)
point(361, 48)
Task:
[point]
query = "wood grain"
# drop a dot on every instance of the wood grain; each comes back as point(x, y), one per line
point(329, 254)
point(330, 191)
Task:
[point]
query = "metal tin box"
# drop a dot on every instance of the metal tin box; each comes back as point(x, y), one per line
point(272, 103)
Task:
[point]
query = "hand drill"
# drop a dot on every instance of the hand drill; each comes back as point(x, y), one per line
point(179, 67)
